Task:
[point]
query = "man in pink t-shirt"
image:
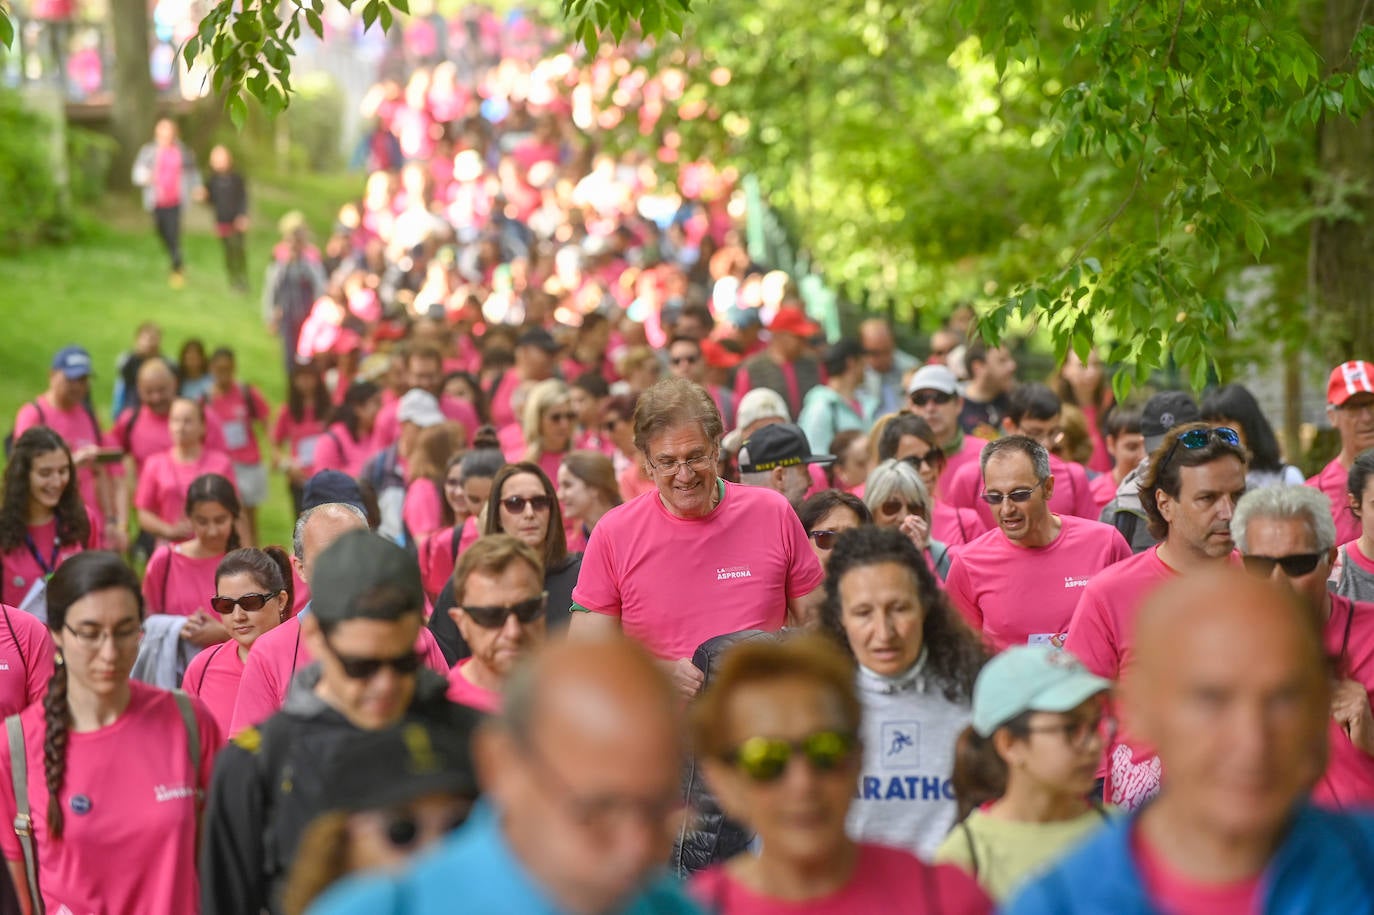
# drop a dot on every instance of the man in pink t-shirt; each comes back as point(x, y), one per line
point(933, 395)
point(425, 370)
point(1189, 492)
point(697, 557)
point(1350, 406)
point(1033, 552)
point(1286, 534)
point(535, 351)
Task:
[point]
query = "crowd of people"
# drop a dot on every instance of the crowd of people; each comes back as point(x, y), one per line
point(615, 587)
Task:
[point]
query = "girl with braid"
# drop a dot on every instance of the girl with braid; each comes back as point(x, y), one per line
point(115, 769)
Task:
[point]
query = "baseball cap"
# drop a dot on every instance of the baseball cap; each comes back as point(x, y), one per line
point(1030, 678)
point(717, 356)
point(388, 768)
point(793, 321)
point(364, 575)
point(1163, 412)
point(73, 362)
point(331, 486)
point(538, 336)
point(778, 445)
point(419, 407)
point(1349, 379)
point(755, 405)
point(933, 378)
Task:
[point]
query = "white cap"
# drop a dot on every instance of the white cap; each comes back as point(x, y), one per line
point(421, 408)
point(933, 378)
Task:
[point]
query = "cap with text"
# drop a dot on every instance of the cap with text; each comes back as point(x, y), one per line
point(778, 445)
point(1349, 379)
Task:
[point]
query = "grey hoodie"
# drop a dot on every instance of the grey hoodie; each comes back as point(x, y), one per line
point(904, 797)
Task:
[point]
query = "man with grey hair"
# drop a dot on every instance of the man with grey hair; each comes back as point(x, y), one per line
point(1286, 533)
point(1033, 551)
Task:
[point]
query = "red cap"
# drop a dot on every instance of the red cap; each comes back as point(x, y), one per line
point(793, 321)
point(717, 356)
point(1349, 379)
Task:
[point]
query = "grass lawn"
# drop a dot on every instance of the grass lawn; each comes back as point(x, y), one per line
point(96, 290)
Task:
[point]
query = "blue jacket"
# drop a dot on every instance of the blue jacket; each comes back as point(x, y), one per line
point(1325, 864)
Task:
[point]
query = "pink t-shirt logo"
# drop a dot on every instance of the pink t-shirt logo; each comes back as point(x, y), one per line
point(1076, 581)
point(164, 793)
point(728, 573)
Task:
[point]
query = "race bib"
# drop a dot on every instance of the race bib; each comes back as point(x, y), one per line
point(235, 434)
point(305, 450)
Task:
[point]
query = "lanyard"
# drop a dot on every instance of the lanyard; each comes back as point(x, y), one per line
point(51, 565)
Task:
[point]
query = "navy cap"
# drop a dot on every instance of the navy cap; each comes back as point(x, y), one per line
point(331, 486)
point(73, 362)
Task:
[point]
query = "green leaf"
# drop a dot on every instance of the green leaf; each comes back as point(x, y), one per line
point(6, 29)
point(1255, 238)
point(402, 6)
point(316, 24)
point(238, 110)
point(385, 15)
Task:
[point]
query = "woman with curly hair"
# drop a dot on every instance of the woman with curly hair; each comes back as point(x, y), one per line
point(42, 518)
point(917, 664)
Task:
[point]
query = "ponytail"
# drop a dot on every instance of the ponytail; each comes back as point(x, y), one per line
point(980, 773)
point(278, 555)
point(57, 716)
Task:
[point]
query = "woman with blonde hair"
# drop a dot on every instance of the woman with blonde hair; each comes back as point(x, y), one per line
point(548, 423)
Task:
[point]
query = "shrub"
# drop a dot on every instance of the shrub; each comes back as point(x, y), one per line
point(33, 210)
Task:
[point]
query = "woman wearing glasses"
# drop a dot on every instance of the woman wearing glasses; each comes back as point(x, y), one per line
point(909, 438)
point(899, 500)
point(778, 732)
point(917, 663)
point(115, 769)
point(549, 423)
point(1025, 767)
point(824, 516)
point(253, 593)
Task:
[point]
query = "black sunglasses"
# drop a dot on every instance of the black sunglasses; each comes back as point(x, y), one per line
point(1194, 439)
point(495, 617)
point(516, 504)
point(356, 668)
point(1019, 496)
point(933, 458)
point(824, 539)
point(893, 506)
point(249, 602)
point(926, 398)
point(402, 830)
point(1294, 566)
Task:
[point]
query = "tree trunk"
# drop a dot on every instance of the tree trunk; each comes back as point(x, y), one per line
point(1342, 252)
point(134, 107)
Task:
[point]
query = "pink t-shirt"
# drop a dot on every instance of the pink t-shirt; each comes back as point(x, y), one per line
point(163, 481)
point(133, 849)
point(969, 450)
point(1072, 493)
point(675, 583)
point(213, 677)
point(1103, 489)
point(464, 692)
point(77, 430)
point(167, 176)
point(177, 584)
point(388, 427)
point(423, 510)
point(148, 434)
point(337, 450)
point(501, 412)
point(1332, 481)
point(278, 655)
point(955, 526)
point(26, 660)
point(303, 435)
point(990, 578)
point(1349, 778)
point(437, 556)
point(236, 421)
point(1172, 893)
point(41, 556)
point(887, 880)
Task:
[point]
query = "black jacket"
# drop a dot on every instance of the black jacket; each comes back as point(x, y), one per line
point(559, 582)
point(267, 788)
point(228, 195)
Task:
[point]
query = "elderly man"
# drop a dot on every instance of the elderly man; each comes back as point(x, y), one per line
point(499, 598)
point(581, 779)
point(697, 558)
point(776, 457)
point(1033, 551)
point(1230, 684)
point(368, 612)
point(1286, 533)
point(1350, 405)
point(933, 395)
point(1189, 492)
point(883, 390)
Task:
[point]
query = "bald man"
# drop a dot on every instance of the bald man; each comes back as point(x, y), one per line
point(883, 390)
point(581, 779)
point(1229, 684)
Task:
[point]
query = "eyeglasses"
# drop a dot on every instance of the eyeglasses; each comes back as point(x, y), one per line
point(516, 504)
point(686, 360)
point(1077, 734)
point(403, 829)
point(1194, 439)
point(1294, 566)
point(356, 668)
point(1019, 496)
point(765, 759)
point(926, 398)
point(526, 611)
point(934, 458)
point(94, 639)
point(697, 464)
point(824, 539)
point(561, 417)
point(896, 506)
point(249, 602)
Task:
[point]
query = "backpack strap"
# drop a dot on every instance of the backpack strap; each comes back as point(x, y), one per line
point(23, 821)
point(972, 849)
point(1126, 522)
point(188, 719)
point(126, 438)
point(43, 417)
point(20, 648)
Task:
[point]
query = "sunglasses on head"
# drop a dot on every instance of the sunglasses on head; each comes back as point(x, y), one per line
point(249, 602)
point(527, 611)
point(926, 398)
point(1194, 439)
point(1019, 496)
point(765, 759)
point(516, 504)
point(824, 539)
point(1294, 566)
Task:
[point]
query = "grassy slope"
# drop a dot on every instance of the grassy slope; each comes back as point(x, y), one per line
point(97, 290)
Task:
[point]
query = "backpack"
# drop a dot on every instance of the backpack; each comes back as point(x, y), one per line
point(43, 421)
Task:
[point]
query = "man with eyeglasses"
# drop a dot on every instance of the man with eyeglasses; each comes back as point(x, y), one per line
point(580, 778)
point(1350, 407)
point(933, 395)
point(366, 613)
point(499, 598)
point(697, 557)
point(1033, 551)
point(776, 457)
point(1285, 533)
point(1189, 493)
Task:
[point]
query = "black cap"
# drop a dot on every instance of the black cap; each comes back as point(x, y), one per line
point(778, 445)
point(538, 336)
point(393, 766)
point(331, 486)
point(1163, 412)
point(364, 576)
